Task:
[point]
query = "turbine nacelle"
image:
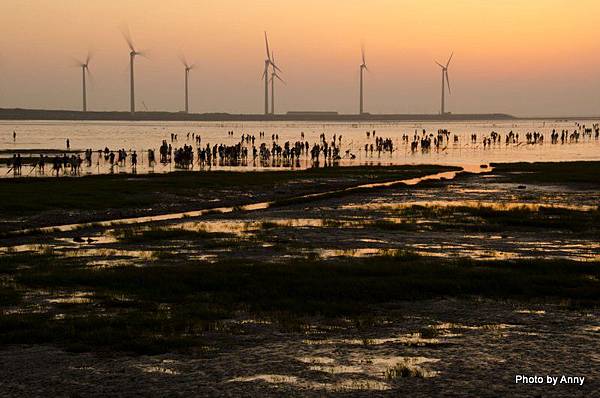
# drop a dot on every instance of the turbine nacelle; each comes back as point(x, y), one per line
point(185, 63)
point(132, 51)
point(134, 54)
point(83, 64)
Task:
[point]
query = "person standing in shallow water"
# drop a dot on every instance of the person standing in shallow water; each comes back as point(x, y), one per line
point(68, 144)
point(134, 161)
point(14, 136)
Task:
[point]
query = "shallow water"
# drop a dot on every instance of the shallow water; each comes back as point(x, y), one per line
point(140, 136)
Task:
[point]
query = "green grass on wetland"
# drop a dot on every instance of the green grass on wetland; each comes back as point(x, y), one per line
point(157, 233)
point(498, 218)
point(169, 305)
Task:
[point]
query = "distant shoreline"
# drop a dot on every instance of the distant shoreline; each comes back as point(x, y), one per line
point(40, 114)
point(70, 115)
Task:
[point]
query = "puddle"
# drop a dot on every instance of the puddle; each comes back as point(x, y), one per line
point(331, 253)
point(74, 298)
point(158, 369)
point(533, 312)
point(411, 339)
point(341, 385)
point(499, 326)
point(89, 240)
point(106, 252)
point(504, 206)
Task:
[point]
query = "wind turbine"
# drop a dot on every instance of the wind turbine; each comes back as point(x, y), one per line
point(85, 70)
point(363, 67)
point(268, 62)
point(445, 81)
point(188, 68)
point(274, 76)
point(132, 54)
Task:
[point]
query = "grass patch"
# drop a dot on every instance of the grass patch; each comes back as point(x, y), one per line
point(486, 218)
point(143, 333)
point(328, 287)
point(168, 305)
point(268, 225)
point(401, 370)
point(551, 172)
point(389, 225)
point(429, 333)
point(9, 296)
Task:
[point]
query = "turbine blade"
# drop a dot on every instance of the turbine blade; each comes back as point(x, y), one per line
point(183, 60)
point(450, 59)
point(448, 82)
point(362, 50)
point(127, 36)
point(88, 58)
point(267, 47)
point(276, 67)
point(280, 79)
point(440, 65)
point(144, 53)
point(91, 78)
point(76, 63)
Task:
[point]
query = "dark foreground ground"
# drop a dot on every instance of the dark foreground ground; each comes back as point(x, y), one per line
point(448, 288)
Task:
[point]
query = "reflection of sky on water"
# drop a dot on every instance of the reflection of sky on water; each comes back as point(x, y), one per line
point(141, 136)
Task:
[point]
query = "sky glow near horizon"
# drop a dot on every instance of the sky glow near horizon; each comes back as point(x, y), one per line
point(540, 57)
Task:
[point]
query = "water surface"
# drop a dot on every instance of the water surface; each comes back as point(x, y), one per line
point(141, 136)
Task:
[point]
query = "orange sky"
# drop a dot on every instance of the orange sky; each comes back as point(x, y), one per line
point(536, 57)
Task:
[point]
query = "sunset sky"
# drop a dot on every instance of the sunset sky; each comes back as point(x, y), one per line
point(535, 57)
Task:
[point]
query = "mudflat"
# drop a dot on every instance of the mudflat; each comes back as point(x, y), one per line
point(455, 284)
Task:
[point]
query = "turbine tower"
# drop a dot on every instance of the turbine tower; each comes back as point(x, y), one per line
point(274, 76)
point(445, 81)
point(188, 68)
point(132, 54)
point(85, 70)
point(268, 63)
point(363, 67)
